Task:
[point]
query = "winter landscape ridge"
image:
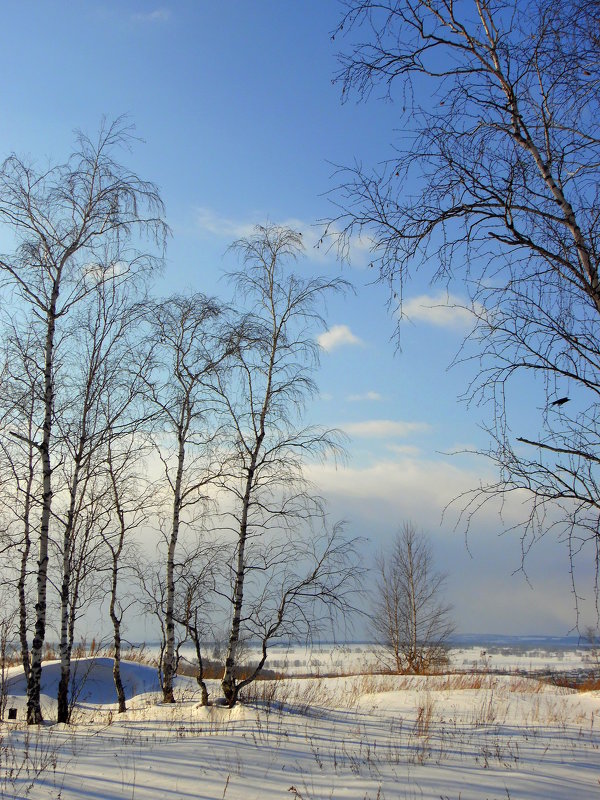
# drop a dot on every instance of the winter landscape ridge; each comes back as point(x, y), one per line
point(482, 730)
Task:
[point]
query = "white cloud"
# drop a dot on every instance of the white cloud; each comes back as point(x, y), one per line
point(443, 310)
point(403, 449)
point(337, 336)
point(158, 15)
point(224, 227)
point(357, 398)
point(384, 428)
point(418, 488)
point(317, 248)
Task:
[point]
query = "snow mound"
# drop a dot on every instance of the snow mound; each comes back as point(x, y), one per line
point(92, 680)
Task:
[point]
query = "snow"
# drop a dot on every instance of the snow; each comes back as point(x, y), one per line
point(329, 659)
point(363, 737)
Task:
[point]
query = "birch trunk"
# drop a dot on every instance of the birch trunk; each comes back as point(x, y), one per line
point(34, 709)
point(228, 683)
point(169, 656)
point(65, 647)
point(200, 674)
point(112, 609)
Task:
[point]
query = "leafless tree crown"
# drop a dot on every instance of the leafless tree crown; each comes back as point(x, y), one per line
point(411, 621)
point(495, 181)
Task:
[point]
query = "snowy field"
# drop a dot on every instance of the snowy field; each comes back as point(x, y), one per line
point(331, 659)
point(454, 737)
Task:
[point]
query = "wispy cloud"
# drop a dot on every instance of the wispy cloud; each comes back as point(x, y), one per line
point(418, 488)
point(158, 15)
point(224, 227)
point(317, 248)
point(369, 396)
point(338, 336)
point(384, 428)
point(443, 310)
point(408, 450)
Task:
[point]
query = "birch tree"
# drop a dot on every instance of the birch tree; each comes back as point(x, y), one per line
point(411, 621)
point(195, 576)
point(495, 183)
point(102, 385)
point(63, 219)
point(192, 344)
point(263, 399)
point(129, 504)
point(20, 400)
point(305, 583)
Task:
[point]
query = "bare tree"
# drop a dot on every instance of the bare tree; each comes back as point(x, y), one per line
point(20, 462)
point(195, 576)
point(496, 182)
point(129, 502)
point(64, 219)
point(306, 584)
point(103, 381)
point(152, 601)
point(412, 623)
point(191, 346)
point(263, 398)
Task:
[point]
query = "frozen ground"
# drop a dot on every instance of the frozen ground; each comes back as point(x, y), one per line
point(455, 737)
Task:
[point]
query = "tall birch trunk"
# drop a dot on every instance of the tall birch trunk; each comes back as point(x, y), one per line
point(112, 608)
point(169, 655)
point(66, 624)
point(228, 682)
point(34, 709)
point(116, 622)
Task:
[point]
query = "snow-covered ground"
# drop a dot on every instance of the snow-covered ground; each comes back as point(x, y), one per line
point(365, 737)
point(330, 659)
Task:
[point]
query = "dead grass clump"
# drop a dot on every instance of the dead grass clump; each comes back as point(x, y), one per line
point(591, 683)
point(213, 670)
point(302, 695)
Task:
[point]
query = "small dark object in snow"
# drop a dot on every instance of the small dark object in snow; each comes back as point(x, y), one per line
point(560, 402)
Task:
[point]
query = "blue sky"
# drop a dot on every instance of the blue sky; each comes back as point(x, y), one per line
point(241, 124)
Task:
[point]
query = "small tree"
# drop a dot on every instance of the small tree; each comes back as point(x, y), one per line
point(129, 504)
point(307, 581)
point(412, 623)
point(193, 608)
